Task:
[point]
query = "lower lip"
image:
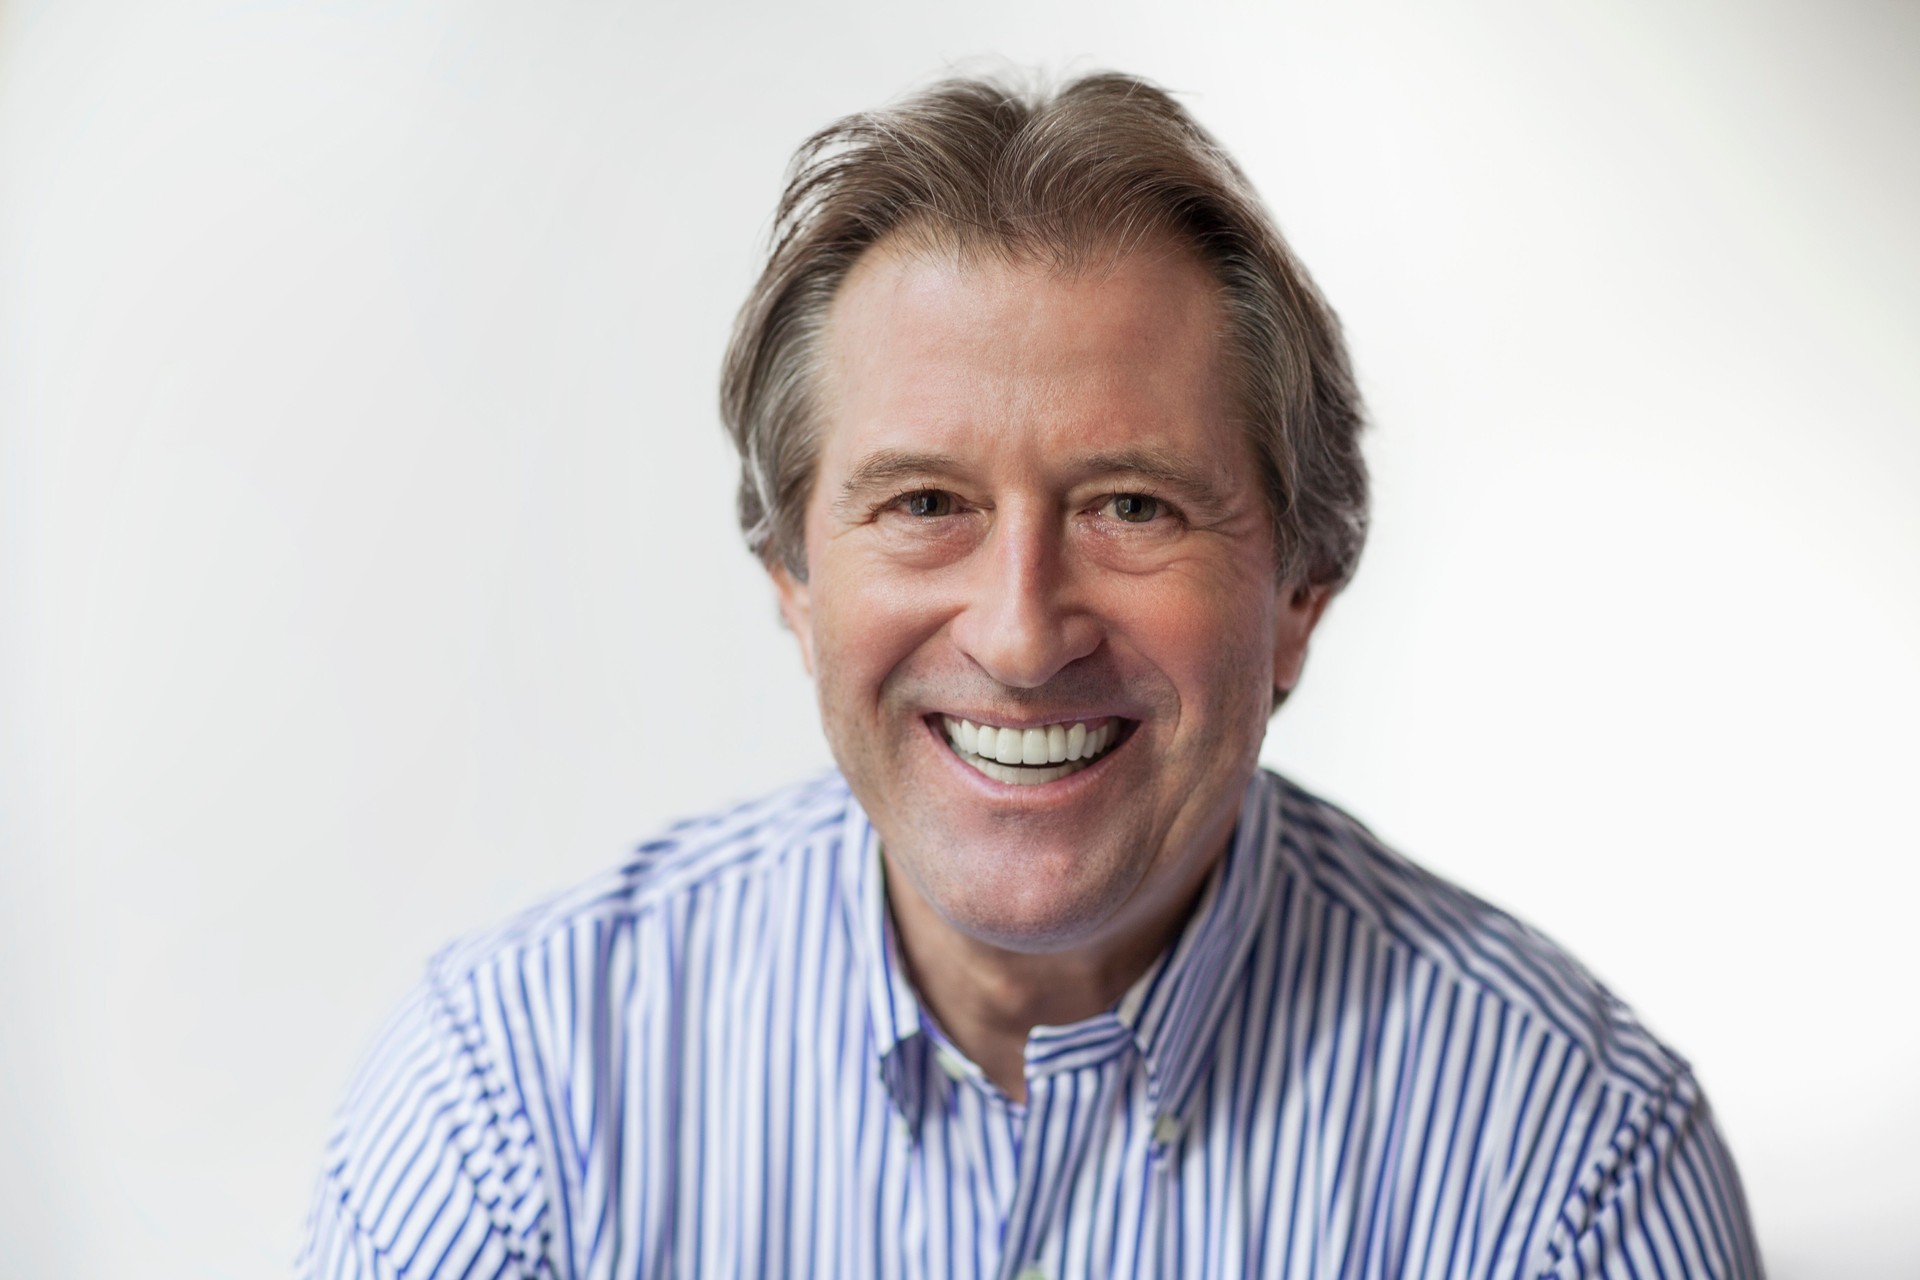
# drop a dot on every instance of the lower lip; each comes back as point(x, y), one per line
point(1059, 788)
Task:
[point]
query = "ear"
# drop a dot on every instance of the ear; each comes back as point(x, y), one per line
point(796, 606)
point(1300, 610)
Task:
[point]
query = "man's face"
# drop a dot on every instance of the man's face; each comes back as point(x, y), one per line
point(1033, 512)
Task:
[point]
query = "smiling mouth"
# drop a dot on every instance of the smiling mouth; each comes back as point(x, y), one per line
point(1029, 757)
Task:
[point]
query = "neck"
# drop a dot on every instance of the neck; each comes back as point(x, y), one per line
point(988, 999)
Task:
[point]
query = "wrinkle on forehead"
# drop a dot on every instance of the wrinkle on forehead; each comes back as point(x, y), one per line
point(939, 298)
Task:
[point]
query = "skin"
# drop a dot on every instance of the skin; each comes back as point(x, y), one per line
point(978, 545)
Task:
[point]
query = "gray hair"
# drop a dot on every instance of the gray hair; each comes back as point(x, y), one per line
point(1107, 162)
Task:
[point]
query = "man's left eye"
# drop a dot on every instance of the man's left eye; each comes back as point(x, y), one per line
point(1134, 508)
point(927, 502)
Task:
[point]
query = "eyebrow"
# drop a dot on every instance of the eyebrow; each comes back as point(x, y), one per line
point(885, 468)
point(1162, 468)
point(1165, 469)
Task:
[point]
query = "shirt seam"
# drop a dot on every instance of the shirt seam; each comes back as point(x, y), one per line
point(467, 1035)
point(1584, 1208)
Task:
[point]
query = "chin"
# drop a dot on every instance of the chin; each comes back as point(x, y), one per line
point(1021, 899)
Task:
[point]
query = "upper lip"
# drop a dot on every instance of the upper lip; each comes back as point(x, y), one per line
point(1027, 720)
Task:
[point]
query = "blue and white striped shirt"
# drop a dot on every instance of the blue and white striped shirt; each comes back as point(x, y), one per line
point(712, 1064)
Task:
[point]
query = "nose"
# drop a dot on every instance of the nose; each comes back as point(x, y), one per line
point(1021, 622)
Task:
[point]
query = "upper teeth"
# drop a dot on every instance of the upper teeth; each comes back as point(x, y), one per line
point(1050, 744)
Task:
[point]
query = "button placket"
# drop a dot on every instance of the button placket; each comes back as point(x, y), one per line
point(1071, 1105)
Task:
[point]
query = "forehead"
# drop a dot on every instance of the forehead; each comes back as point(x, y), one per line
point(930, 346)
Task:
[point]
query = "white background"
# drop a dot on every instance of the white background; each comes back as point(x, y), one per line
point(367, 567)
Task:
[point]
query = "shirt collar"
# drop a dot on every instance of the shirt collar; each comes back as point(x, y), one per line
point(893, 1007)
point(1170, 1013)
point(1175, 1008)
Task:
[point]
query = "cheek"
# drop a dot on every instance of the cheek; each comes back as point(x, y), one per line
point(867, 625)
point(1214, 646)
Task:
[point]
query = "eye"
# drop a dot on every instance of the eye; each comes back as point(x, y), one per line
point(1134, 508)
point(927, 503)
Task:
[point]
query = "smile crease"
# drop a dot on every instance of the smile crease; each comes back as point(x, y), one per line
point(1029, 757)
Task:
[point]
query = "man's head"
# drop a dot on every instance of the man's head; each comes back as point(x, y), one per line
point(1041, 427)
point(1063, 180)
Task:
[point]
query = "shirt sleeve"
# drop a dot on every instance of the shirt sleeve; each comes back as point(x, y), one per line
point(431, 1169)
point(1662, 1198)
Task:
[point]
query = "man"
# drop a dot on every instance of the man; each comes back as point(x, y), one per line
point(1050, 450)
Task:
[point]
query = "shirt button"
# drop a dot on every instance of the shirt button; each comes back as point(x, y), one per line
point(1031, 1273)
point(951, 1064)
point(1166, 1131)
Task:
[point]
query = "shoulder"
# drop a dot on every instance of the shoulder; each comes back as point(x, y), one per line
point(456, 1136)
point(747, 845)
point(1617, 1134)
point(689, 905)
point(1469, 942)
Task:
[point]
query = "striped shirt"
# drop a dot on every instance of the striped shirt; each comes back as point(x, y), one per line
point(712, 1063)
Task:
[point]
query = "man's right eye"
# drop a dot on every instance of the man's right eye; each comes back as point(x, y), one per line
point(928, 502)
